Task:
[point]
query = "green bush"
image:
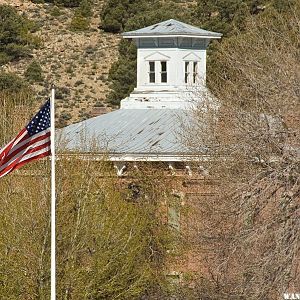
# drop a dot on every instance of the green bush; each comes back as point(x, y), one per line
point(68, 3)
point(66, 116)
point(15, 35)
point(79, 23)
point(81, 18)
point(38, 1)
point(115, 14)
point(85, 8)
point(10, 82)
point(55, 12)
point(4, 58)
point(34, 72)
point(65, 3)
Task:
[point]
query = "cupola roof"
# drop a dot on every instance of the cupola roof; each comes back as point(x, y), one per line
point(171, 28)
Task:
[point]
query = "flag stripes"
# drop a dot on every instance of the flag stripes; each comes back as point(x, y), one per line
point(33, 142)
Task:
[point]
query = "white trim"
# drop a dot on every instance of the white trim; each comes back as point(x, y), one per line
point(170, 35)
point(191, 57)
point(143, 157)
point(156, 56)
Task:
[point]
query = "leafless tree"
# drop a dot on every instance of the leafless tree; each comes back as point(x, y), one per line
point(248, 234)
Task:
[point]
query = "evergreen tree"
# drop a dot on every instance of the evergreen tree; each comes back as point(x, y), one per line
point(225, 16)
point(115, 14)
point(15, 38)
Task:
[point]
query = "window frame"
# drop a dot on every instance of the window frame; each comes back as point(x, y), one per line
point(163, 73)
point(191, 71)
point(195, 71)
point(151, 72)
point(186, 72)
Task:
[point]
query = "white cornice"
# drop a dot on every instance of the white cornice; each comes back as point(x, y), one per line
point(171, 35)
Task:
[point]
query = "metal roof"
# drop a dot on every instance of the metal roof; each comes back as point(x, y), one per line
point(171, 28)
point(132, 133)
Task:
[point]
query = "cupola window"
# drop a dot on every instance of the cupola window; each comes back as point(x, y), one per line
point(186, 75)
point(163, 72)
point(151, 71)
point(190, 72)
point(195, 71)
point(158, 72)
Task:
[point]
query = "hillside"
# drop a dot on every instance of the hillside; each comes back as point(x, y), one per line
point(77, 63)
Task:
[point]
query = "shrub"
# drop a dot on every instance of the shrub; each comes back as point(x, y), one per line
point(55, 12)
point(90, 50)
point(115, 13)
point(16, 51)
point(15, 34)
point(98, 104)
point(65, 3)
point(66, 116)
point(34, 72)
point(78, 82)
point(10, 82)
point(79, 23)
point(85, 8)
point(68, 3)
point(62, 92)
point(4, 58)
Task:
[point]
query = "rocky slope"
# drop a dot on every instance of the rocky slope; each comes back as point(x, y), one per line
point(77, 63)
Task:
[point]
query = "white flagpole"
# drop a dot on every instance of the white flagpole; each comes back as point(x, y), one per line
point(53, 198)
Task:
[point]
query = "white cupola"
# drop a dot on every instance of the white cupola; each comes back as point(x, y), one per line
point(171, 58)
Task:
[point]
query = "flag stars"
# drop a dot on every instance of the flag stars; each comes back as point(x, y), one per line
point(41, 120)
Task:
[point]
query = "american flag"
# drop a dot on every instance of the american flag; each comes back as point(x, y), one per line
point(33, 142)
